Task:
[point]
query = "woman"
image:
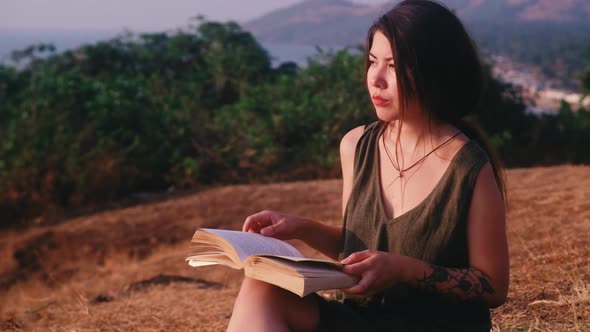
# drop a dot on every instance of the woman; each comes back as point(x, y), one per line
point(423, 202)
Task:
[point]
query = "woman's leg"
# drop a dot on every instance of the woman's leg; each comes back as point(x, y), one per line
point(264, 307)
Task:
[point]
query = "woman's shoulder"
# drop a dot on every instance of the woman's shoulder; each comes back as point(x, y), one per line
point(350, 140)
point(474, 154)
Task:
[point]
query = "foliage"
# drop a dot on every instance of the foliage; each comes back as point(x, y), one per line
point(296, 121)
point(558, 49)
point(121, 116)
point(143, 113)
point(563, 137)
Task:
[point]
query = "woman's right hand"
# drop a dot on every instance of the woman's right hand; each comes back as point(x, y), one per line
point(274, 224)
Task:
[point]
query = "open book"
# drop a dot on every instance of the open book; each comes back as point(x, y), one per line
point(267, 259)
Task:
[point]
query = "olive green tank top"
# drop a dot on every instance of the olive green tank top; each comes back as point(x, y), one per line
point(434, 231)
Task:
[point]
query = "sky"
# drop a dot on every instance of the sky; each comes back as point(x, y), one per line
point(136, 15)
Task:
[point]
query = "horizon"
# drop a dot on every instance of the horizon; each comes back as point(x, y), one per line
point(65, 40)
point(70, 15)
point(69, 24)
point(69, 35)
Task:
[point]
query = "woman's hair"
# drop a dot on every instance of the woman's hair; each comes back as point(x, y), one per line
point(437, 66)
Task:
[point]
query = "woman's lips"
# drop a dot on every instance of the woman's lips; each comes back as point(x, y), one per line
point(380, 101)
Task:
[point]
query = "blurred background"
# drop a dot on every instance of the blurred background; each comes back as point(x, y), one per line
point(110, 103)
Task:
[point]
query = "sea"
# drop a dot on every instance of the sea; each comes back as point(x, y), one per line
point(11, 40)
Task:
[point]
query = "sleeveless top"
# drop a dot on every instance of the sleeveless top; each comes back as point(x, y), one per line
point(435, 231)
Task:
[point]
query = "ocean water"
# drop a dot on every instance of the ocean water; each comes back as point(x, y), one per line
point(64, 40)
point(11, 40)
point(290, 53)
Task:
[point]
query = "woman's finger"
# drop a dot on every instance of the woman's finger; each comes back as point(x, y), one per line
point(271, 229)
point(357, 257)
point(357, 268)
point(256, 222)
point(278, 229)
point(362, 287)
point(248, 224)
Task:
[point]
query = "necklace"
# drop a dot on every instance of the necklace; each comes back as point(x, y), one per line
point(400, 170)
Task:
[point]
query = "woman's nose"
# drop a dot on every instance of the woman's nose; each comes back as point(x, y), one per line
point(378, 81)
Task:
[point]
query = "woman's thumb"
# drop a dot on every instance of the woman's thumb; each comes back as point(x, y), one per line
point(271, 229)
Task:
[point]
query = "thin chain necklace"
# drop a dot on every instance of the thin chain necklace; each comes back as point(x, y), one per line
point(400, 170)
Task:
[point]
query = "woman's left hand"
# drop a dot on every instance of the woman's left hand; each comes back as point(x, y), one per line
point(378, 270)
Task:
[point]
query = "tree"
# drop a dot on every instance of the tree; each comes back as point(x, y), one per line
point(95, 124)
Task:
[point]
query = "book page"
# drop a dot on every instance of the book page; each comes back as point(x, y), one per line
point(204, 259)
point(329, 262)
point(301, 277)
point(300, 267)
point(248, 244)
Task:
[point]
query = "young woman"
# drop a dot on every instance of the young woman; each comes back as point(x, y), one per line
point(423, 202)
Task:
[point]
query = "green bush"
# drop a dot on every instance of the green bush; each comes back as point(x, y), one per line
point(98, 123)
point(142, 113)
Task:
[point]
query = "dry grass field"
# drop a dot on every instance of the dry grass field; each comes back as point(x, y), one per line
point(125, 271)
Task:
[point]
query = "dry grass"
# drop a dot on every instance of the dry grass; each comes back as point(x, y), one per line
point(125, 271)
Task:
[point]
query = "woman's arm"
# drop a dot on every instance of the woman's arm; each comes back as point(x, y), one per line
point(324, 238)
point(329, 239)
point(485, 281)
point(347, 150)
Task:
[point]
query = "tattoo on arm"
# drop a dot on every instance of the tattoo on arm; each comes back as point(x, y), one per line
point(456, 284)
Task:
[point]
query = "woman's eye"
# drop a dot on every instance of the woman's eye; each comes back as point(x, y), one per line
point(372, 63)
point(392, 66)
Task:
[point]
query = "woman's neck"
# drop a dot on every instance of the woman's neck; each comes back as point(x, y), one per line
point(416, 136)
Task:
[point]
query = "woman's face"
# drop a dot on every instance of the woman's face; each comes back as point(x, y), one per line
point(381, 79)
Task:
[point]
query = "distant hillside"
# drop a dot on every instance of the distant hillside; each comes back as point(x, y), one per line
point(339, 22)
point(522, 10)
point(315, 22)
point(553, 35)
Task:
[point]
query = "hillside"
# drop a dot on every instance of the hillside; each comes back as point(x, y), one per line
point(522, 10)
point(339, 22)
point(315, 22)
point(124, 270)
point(552, 35)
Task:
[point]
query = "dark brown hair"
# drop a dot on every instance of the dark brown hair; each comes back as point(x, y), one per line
point(437, 66)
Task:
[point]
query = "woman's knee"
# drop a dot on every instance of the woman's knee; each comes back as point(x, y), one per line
point(258, 290)
point(298, 313)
